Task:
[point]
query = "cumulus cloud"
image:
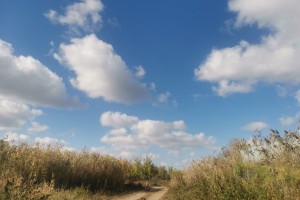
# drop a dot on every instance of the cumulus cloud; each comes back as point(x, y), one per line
point(101, 150)
point(274, 60)
point(36, 127)
point(141, 134)
point(14, 115)
point(286, 121)
point(100, 72)
point(118, 131)
point(108, 151)
point(16, 138)
point(255, 126)
point(48, 141)
point(226, 88)
point(83, 15)
point(25, 78)
point(117, 119)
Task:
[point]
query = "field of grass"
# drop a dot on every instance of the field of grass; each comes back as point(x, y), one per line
point(34, 172)
point(264, 168)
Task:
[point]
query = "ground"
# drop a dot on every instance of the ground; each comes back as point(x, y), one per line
point(155, 193)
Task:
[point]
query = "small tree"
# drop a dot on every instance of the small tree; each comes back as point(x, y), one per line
point(135, 170)
point(149, 169)
point(163, 173)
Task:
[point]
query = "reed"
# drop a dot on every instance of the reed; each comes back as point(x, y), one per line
point(36, 172)
point(263, 168)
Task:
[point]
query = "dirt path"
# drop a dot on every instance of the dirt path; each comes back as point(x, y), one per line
point(155, 193)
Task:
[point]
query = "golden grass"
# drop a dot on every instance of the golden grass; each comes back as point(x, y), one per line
point(34, 172)
point(26, 171)
point(266, 168)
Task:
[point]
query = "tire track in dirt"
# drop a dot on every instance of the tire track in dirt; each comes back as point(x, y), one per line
point(155, 193)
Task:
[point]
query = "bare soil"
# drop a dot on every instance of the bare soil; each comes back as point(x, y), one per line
point(154, 193)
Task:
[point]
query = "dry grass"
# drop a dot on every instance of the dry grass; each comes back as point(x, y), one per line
point(35, 172)
point(265, 168)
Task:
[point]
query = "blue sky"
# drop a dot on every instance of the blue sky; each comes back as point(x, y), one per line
point(172, 79)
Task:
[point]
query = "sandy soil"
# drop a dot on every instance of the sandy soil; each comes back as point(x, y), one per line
point(155, 193)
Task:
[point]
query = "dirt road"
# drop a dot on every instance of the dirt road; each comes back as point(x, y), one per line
point(155, 193)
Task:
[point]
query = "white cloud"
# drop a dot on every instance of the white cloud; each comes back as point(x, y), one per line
point(152, 87)
point(108, 151)
point(125, 142)
point(225, 88)
point(25, 78)
point(101, 150)
point(164, 99)
point(117, 119)
point(140, 72)
point(14, 115)
point(152, 156)
point(64, 148)
point(127, 155)
point(83, 15)
point(100, 72)
point(142, 134)
point(16, 138)
point(274, 60)
point(286, 121)
point(118, 131)
point(48, 141)
point(179, 125)
point(36, 127)
point(255, 126)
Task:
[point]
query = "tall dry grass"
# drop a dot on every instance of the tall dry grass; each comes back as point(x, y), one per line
point(35, 172)
point(264, 168)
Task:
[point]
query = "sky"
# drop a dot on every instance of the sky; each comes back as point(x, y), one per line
point(174, 80)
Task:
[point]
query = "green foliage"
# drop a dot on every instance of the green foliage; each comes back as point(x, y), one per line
point(149, 170)
point(135, 170)
point(142, 170)
point(163, 173)
point(265, 168)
